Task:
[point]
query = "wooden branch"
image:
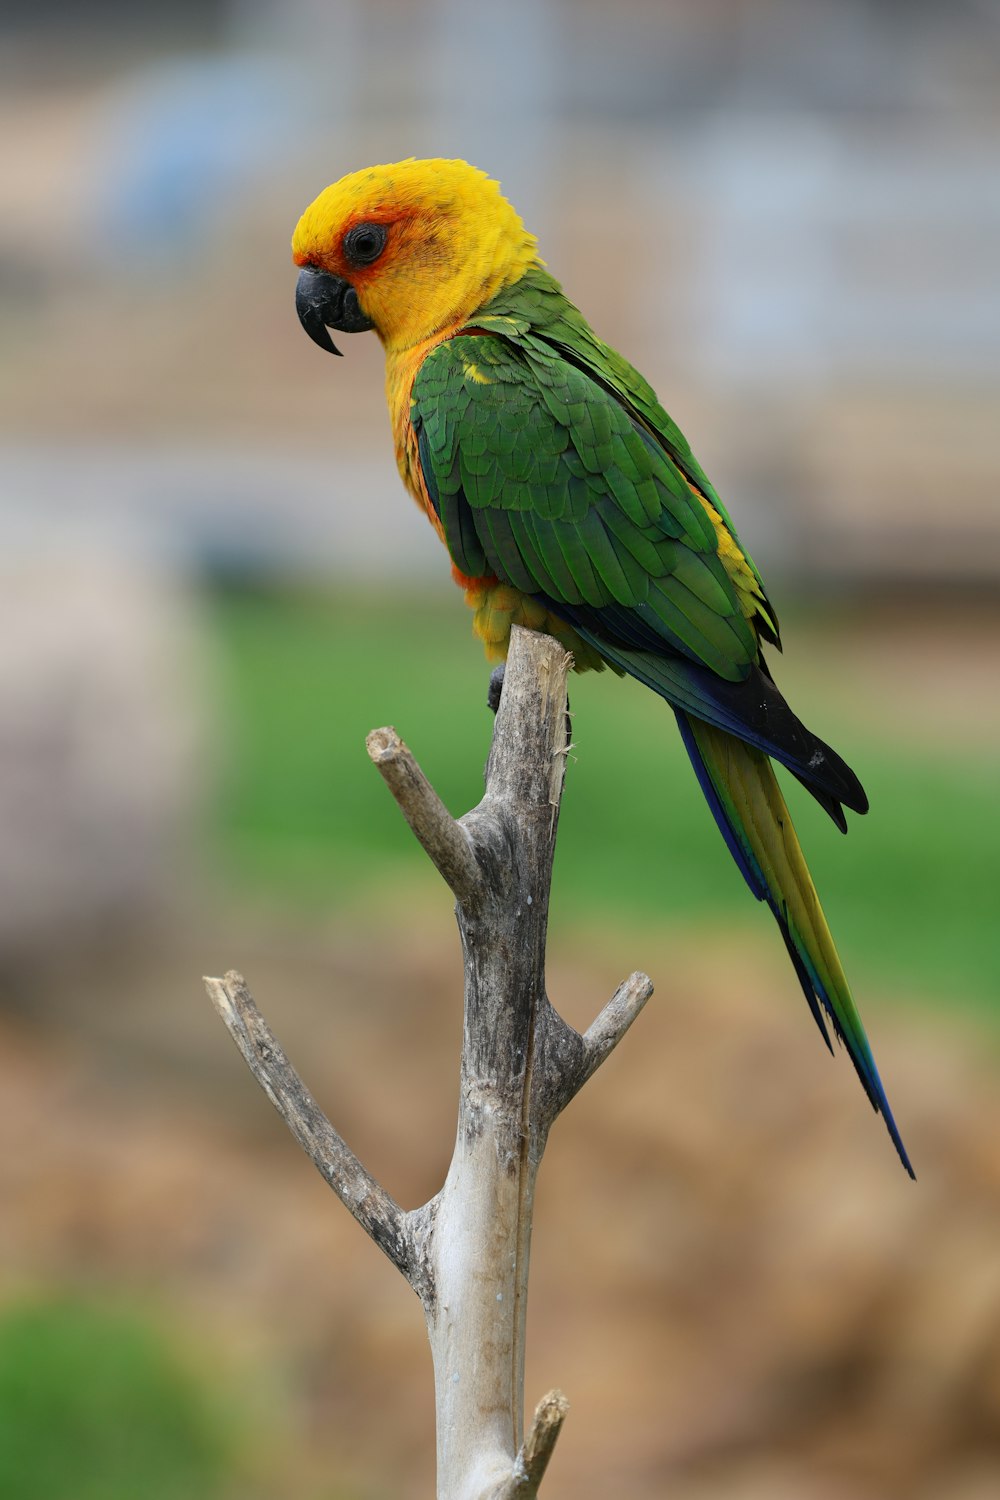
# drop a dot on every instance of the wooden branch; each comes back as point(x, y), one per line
point(533, 1459)
point(466, 1253)
point(602, 1037)
point(566, 1059)
point(378, 1214)
point(480, 1242)
point(444, 840)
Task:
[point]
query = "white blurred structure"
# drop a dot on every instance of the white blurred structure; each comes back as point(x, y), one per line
point(101, 749)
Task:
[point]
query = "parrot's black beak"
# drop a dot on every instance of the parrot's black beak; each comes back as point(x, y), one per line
point(323, 301)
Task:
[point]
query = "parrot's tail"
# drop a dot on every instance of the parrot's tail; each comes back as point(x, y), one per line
point(743, 793)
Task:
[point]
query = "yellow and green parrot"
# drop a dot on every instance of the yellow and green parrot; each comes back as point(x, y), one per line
point(571, 503)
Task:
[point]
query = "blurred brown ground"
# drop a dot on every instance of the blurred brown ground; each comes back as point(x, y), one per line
point(732, 1278)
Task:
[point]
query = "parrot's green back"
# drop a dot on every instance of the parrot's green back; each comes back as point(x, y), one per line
point(552, 467)
point(539, 304)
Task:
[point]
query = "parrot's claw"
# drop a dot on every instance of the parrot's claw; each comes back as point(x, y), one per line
point(496, 687)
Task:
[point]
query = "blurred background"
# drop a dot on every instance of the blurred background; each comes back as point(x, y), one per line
point(787, 214)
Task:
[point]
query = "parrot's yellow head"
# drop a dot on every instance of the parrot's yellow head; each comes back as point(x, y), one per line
point(410, 249)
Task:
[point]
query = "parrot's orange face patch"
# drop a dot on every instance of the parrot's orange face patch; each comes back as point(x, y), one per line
point(423, 243)
point(358, 249)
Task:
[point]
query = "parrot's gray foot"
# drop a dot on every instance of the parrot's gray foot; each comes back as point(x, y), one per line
point(496, 687)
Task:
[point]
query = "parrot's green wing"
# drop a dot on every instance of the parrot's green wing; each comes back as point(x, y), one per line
point(543, 477)
point(537, 313)
point(551, 465)
point(569, 497)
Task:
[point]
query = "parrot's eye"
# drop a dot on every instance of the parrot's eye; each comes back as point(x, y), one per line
point(364, 243)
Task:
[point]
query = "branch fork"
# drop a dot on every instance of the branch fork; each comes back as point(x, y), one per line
point(466, 1252)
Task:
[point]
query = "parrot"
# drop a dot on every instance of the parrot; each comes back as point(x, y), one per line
point(571, 503)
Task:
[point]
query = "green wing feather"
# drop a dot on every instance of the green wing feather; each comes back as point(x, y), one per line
point(583, 508)
point(536, 311)
point(551, 464)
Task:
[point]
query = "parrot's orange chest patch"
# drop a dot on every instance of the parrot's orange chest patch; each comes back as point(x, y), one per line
point(496, 605)
point(400, 372)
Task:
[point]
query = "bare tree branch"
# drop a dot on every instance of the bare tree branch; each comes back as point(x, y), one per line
point(466, 1253)
point(533, 1458)
point(602, 1037)
point(567, 1059)
point(444, 839)
point(378, 1214)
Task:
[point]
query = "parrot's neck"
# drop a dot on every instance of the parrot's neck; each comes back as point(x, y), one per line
point(438, 311)
point(436, 308)
point(437, 314)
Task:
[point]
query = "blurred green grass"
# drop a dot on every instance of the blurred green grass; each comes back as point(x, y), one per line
point(96, 1405)
point(301, 816)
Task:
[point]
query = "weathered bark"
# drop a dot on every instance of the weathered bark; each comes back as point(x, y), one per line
point(466, 1253)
